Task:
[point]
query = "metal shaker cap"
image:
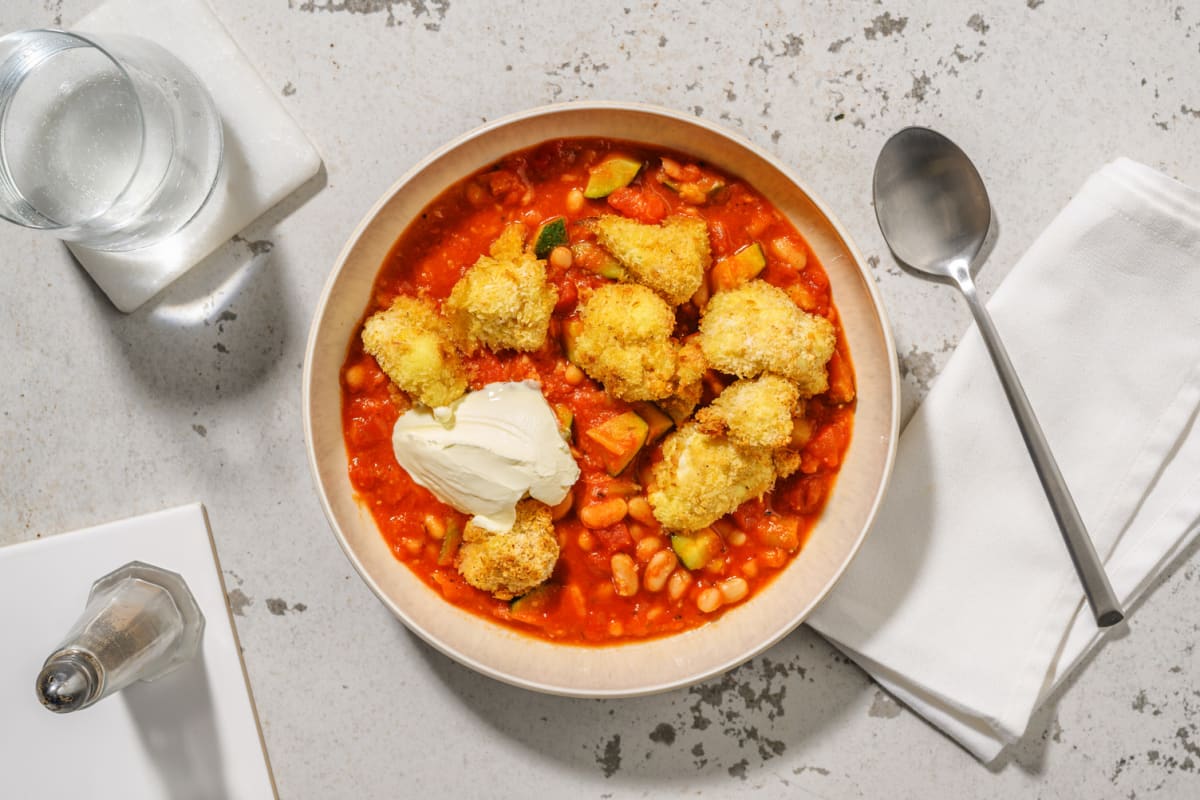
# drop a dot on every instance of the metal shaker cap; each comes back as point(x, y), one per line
point(68, 682)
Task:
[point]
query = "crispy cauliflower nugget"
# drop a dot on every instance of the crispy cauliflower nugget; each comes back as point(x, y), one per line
point(510, 244)
point(669, 258)
point(503, 302)
point(413, 346)
point(787, 461)
point(756, 328)
point(511, 563)
point(702, 478)
point(689, 387)
point(625, 342)
point(752, 412)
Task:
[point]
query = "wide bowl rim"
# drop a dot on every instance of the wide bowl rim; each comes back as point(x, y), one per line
point(307, 392)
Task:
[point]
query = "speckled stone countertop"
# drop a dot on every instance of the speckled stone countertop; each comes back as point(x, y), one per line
point(197, 395)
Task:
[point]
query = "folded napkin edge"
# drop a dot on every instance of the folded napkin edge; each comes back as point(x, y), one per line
point(1165, 435)
point(989, 737)
point(1146, 196)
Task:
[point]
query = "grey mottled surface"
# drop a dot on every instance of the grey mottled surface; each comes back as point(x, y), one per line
point(197, 396)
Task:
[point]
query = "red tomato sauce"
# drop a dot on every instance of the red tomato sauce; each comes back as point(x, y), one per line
point(582, 605)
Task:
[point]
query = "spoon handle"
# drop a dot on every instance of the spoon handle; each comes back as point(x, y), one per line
point(1105, 606)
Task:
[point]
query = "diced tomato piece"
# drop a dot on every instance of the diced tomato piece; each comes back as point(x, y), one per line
point(505, 186)
point(779, 530)
point(568, 295)
point(829, 443)
point(551, 156)
point(815, 277)
point(363, 474)
point(454, 587)
point(759, 222)
point(684, 173)
point(599, 563)
point(749, 513)
point(803, 494)
point(614, 537)
point(365, 431)
point(640, 204)
point(719, 239)
point(841, 378)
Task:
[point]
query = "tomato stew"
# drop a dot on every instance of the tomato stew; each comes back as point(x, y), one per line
point(617, 577)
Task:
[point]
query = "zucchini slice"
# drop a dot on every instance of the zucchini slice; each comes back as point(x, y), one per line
point(550, 235)
point(620, 439)
point(697, 549)
point(450, 543)
point(739, 268)
point(571, 329)
point(532, 606)
point(595, 258)
point(611, 174)
point(657, 420)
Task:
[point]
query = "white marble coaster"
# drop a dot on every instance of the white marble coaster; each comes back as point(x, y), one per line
point(267, 156)
point(192, 733)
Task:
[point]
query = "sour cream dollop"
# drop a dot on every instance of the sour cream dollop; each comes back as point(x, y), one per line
point(497, 445)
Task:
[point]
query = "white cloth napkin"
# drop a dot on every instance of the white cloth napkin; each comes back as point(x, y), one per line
point(963, 601)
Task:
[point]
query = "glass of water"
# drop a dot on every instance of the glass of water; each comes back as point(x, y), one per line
point(107, 141)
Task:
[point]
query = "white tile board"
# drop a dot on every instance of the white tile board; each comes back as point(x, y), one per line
point(191, 734)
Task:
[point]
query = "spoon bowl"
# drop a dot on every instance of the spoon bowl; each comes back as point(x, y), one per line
point(930, 202)
point(934, 213)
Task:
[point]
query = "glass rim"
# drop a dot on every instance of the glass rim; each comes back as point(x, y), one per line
point(126, 79)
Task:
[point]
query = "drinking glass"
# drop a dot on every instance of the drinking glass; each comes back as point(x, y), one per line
point(106, 141)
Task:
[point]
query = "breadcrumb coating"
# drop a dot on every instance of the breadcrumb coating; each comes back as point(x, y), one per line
point(511, 563)
point(754, 412)
point(669, 258)
point(503, 302)
point(510, 244)
point(625, 342)
point(756, 328)
point(702, 478)
point(787, 461)
point(689, 386)
point(414, 347)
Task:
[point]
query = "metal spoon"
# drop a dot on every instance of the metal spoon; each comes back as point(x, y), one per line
point(934, 212)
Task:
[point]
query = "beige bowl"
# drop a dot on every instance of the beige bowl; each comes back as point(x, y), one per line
point(633, 668)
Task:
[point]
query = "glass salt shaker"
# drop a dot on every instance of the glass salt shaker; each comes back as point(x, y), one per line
point(141, 622)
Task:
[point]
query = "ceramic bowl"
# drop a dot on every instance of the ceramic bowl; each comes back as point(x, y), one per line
point(630, 668)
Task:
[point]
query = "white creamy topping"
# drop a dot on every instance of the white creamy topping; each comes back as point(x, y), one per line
point(496, 446)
